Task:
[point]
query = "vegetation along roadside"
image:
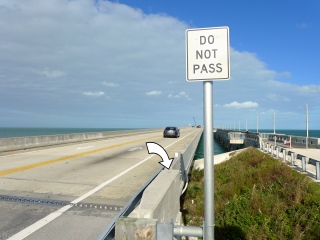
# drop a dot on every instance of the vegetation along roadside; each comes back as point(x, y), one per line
point(256, 197)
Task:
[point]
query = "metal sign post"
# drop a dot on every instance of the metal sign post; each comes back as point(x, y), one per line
point(208, 161)
point(208, 59)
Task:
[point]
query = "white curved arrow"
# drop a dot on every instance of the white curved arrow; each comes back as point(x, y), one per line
point(158, 149)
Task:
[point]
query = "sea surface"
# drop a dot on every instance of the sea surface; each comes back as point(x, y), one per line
point(302, 133)
point(24, 132)
point(217, 149)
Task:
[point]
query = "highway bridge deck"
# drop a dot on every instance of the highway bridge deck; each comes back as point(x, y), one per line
point(73, 191)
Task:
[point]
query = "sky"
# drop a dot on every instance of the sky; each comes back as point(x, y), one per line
point(122, 64)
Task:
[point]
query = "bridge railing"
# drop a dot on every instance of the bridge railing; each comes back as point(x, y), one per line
point(293, 157)
point(298, 141)
point(20, 143)
point(236, 136)
point(160, 203)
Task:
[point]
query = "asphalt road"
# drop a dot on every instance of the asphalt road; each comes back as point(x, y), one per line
point(97, 178)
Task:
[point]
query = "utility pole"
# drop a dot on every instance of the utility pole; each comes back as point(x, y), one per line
point(274, 129)
point(274, 122)
point(246, 124)
point(307, 122)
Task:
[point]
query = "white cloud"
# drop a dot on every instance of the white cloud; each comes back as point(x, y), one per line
point(277, 98)
point(309, 89)
point(247, 104)
point(84, 44)
point(153, 93)
point(110, 84)
point(180, 95)
point(52, 74)
point(284, 74)
point(94, 94)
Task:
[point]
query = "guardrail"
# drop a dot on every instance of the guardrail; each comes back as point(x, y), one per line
point(21, 143)
point(160, 203)
point(274, 152)
point(297, 141)
point(236, 137)
point(315, 163)
point(109, 232)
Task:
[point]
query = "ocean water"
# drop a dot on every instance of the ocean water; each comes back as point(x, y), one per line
point(303, 133)
point(217, 149)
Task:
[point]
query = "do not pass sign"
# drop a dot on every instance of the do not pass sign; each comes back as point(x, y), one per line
point(208, 56)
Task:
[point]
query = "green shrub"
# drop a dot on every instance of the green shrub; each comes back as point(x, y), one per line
point(256, 197)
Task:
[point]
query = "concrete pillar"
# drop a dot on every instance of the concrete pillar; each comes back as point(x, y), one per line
point(318, 170)
point(284, 156)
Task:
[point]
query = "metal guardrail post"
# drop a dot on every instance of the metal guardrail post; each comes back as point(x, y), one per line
point(284, 155)
point(318, 170)
point(303, 160)
point(292, 158)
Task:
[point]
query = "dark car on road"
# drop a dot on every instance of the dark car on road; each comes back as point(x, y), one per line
point(171, 132)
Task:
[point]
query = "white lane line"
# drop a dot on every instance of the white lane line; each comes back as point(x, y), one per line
point(44, 221)
point(84, 147)
point(134, 149)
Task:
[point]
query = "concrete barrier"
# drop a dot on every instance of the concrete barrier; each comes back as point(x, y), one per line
point(161, 199)
point(20, 143)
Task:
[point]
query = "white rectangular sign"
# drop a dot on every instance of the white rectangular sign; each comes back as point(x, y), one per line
point(208, 55)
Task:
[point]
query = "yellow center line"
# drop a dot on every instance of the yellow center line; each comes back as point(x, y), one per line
point(40, 164)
